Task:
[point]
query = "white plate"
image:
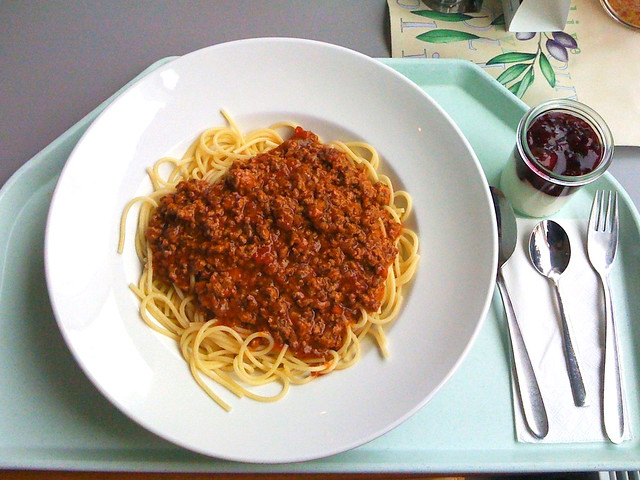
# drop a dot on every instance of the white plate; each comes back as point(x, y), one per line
point(339, 94)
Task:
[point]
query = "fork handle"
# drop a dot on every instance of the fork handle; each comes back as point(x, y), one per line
point(612, 402)
point(535, 413)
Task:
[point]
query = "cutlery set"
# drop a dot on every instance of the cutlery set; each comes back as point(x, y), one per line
point(550, 252)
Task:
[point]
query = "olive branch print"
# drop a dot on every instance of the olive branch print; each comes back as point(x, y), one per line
point(520, 74)
point(443, 35)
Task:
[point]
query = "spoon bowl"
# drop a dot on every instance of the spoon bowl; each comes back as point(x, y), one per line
point(549, 249)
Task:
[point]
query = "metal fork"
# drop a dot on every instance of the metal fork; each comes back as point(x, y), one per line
point(602, 242)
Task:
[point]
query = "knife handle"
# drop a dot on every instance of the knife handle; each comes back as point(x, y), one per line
point(535, 413)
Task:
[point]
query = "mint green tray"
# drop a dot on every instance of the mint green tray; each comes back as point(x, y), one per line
point(52, 417)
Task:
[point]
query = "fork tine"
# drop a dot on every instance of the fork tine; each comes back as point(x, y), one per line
point(610, 220)
point(613, 203)
point(607, 205)
point(602, 224)
point(615, 218)
point(594, 217)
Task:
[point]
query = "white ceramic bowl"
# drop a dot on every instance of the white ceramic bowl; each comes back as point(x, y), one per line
point(338, 94)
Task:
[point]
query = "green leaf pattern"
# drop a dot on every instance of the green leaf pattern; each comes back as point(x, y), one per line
point(511, 73)
point(446, 36)
point(519, 75)
point(547, 70)
point(526, 82)
point(512, 57)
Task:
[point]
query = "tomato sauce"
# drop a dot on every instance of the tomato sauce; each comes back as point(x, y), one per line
point(295, 242)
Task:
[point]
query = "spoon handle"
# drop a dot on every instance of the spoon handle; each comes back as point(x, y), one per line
point(535, 413)
point(573, 368)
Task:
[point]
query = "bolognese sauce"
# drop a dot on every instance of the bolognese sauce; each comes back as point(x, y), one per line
point(295, 242)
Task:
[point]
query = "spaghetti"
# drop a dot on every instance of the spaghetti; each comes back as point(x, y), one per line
point(270, 260)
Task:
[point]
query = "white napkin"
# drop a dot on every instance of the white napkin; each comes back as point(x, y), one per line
point(536, 16)
point(534, 302)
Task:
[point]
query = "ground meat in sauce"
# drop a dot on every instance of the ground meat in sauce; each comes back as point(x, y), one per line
point(290, 242)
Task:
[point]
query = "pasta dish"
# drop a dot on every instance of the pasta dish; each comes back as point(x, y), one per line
point(269, 257)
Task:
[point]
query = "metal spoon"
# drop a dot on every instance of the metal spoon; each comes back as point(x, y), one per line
point(535, 414)
point(550, 253)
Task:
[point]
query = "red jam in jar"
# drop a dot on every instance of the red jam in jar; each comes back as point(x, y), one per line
point(564, 144)
point(560, 146)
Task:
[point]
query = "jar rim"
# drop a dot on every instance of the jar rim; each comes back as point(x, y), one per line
point(580, 110)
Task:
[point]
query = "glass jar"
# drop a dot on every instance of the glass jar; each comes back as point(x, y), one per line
point(561, 145)
point(454, 6)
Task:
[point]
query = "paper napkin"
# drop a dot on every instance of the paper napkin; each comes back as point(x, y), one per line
point(534, 301)
point(536, 15)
